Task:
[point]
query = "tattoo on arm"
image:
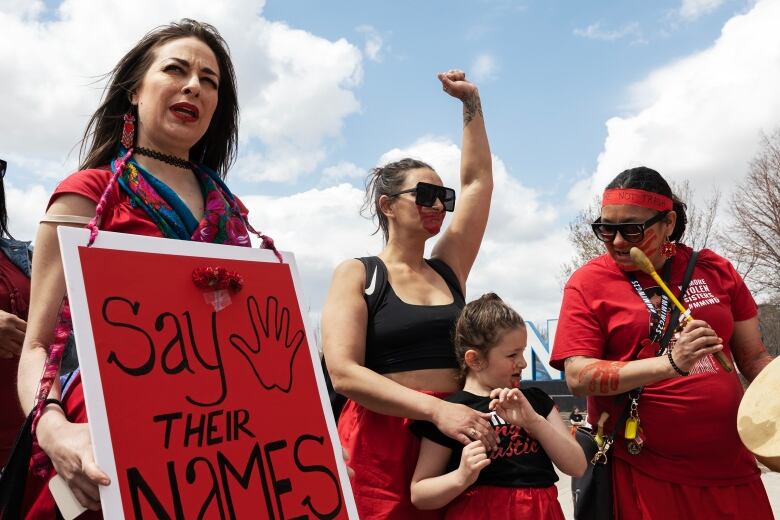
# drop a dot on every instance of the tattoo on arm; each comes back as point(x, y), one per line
point(605, 374)
point(471, 107)
point(751, 366)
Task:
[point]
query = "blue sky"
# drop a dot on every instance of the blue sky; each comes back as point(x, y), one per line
point(551, 92)
point(573, 93)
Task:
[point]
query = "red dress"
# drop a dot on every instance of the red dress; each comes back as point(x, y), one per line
point(14, 299)
point(691, 440)
point(383, 452)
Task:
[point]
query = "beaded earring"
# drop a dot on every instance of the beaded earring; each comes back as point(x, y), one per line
point(668, 249)
point(128, 130)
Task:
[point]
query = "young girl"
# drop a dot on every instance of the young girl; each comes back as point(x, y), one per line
point(517, 479)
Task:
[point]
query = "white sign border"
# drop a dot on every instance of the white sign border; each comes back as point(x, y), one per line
point(70, 240)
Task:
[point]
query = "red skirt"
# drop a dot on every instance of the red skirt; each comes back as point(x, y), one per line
point(639, 496)
point(38, 502)
point(506, 503)
point(383, 452)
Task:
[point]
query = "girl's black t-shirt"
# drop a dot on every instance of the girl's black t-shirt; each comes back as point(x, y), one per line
point(519, 460)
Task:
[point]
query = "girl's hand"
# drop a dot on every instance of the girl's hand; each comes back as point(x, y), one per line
point(695, 341)
point(473, 459)
point(511, 405)
point(69, 447)
point(465, 424)
point(454, 83)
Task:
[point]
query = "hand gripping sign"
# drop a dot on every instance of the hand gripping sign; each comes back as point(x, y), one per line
point(202, 385)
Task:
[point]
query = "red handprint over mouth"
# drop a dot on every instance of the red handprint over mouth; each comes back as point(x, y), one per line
point(276, 345)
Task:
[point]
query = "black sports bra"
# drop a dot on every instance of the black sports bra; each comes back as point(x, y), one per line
point(401, 336)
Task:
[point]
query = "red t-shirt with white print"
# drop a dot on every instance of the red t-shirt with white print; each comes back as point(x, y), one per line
point(689, 423)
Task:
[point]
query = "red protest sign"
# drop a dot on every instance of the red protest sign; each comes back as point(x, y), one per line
point(201, 404)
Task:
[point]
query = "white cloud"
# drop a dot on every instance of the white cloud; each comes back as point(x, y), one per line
point(306, 100)
point(692, 9)
point(278, 67)
point(372, 47)
point(42, 168)
point(484, 68)
point(282, 163)
point(344, 170)
point(25, 208)
point(322, 226)
point(595, 32)
point(24, 8)
point(701, 117)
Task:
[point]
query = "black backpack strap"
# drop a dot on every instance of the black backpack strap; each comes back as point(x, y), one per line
point(688, 273)
point(376, 283)
point(446, 272)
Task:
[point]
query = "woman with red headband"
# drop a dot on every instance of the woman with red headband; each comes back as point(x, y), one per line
point(158, 149)
point(672, 407)
point(388, 321)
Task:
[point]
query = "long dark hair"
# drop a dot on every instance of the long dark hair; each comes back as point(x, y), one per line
point(386, 180)
point(3, 211)
point(644, 178)
point(216, 149)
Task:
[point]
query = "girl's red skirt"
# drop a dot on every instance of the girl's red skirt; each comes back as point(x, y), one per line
point(506, 503)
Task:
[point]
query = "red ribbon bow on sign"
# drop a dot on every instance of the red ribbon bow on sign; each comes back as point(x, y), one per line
point(218, 283)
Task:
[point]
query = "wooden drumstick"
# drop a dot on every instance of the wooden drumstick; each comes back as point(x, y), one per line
point(644, 263)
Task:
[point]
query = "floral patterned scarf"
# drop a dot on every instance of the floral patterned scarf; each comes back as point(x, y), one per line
point(222, 222)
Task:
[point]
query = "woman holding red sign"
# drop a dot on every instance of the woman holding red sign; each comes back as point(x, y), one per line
point(388, 320)
point(672, 406)
point(158, 149)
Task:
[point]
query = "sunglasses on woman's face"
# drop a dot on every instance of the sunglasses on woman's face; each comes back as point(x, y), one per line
point(427, 193)
point(631, 233)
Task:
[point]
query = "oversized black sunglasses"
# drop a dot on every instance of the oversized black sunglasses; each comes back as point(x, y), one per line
point(427, 193)
point(631, 233)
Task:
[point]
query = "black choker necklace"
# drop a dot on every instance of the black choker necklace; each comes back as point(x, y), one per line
point(164, 157)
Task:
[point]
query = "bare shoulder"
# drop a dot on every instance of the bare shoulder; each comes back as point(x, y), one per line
point(349, 268)
point(72, 204)
point(349, 273)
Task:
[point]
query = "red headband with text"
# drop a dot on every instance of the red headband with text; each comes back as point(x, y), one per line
point(645, 199)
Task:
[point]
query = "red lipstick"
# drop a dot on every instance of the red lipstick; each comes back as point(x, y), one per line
point(187, 112)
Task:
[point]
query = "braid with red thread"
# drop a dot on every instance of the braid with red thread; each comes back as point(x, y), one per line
point(39, 461)
point(119, 166)
point(267, 242)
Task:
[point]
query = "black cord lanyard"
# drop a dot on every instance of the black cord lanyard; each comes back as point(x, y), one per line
point(663, 314)
point(655, 337)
